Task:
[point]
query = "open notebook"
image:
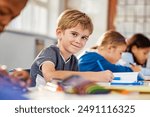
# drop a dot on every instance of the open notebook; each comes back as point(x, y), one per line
point(126, 78)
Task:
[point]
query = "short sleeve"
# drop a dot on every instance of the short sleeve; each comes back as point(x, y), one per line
point(127, 58)
point(47, 54)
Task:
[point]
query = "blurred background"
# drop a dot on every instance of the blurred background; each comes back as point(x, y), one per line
point(34, 29)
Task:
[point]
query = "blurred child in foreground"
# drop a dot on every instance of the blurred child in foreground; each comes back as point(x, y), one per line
point(12, 85)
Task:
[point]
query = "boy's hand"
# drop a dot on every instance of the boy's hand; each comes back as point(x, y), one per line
point(106, 76)
point(23, 76)
point(3, 70)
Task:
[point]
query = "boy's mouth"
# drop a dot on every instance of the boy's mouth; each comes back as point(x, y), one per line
point(76, 46)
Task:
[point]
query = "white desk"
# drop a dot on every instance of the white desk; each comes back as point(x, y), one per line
point(41, 93)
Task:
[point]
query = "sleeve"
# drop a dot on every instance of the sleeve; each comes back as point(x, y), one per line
point(145, 71)
point(126, 59)
point(88, 62)
point(115, 68)
point(47, 54)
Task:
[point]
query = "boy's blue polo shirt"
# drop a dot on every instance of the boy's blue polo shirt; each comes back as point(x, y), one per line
point(88, 62)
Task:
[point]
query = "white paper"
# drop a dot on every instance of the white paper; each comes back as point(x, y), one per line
point(126, 77)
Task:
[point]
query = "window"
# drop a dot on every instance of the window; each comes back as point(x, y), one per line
point(133, 16)
point(34, 18)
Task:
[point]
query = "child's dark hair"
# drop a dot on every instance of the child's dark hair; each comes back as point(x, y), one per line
point(139, 40)
point(111, 37)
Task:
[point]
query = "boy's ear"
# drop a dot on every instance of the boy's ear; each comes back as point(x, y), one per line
point(109, 48)
point(58, 33)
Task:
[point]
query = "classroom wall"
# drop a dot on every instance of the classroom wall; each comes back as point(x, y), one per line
point(19, 49)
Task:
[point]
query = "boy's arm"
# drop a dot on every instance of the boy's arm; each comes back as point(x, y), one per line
point(49, 73)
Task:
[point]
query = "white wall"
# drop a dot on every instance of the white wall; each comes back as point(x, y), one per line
point(18, 49)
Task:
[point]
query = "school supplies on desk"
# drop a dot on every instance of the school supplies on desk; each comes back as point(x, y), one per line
point(140, 89)
point(126, 78)
point(54, 87)
point(133, 64)
point(132, 83)
point(79, 85)
point(11, 88)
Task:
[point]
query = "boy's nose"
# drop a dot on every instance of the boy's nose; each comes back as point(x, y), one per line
point(78, 40)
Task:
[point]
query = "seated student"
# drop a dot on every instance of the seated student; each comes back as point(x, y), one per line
point(9, 9)
point(11, 85)
point(58, 61)
point(137, 52)
point(105, 55)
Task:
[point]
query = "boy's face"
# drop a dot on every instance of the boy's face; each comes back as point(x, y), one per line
point(9, 9)
point(72, 40)
point(116, 53)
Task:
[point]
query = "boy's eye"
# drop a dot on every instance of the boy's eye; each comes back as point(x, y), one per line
point(74, 34)
point(85, 38)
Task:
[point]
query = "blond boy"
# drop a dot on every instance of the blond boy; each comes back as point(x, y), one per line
point(73, 30)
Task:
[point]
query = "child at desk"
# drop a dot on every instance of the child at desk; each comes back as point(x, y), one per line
point(12, 86)
point(137, 52)
point(105, 55)
point(58, 61)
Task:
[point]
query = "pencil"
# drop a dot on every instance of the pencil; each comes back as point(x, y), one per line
point(132, 64)
point(100, 65)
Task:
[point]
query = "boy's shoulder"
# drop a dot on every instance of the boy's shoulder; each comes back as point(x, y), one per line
point(89, 55)
point(50, 50)
point(53, 48)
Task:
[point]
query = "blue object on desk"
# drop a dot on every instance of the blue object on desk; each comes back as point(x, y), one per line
point(116, 78)
point(132, 83)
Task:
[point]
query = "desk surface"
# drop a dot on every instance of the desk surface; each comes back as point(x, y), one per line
point(42, 93)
